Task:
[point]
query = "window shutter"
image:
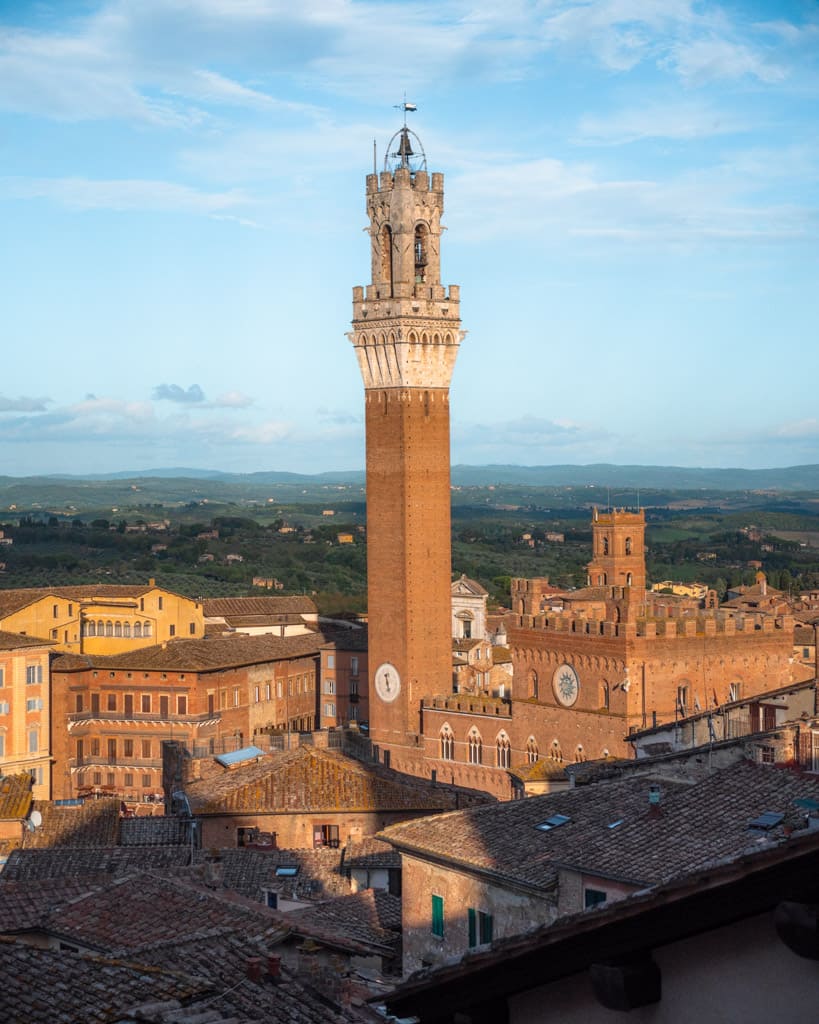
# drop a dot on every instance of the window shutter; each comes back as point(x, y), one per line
point(438, 916)
point(473, 931)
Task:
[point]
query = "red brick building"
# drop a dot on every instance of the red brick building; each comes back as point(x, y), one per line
point(110, 715)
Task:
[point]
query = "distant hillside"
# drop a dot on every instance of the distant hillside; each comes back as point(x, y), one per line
point(677, 478)
point(793, 478)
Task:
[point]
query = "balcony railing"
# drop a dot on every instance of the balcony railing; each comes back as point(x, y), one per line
point(139, 716)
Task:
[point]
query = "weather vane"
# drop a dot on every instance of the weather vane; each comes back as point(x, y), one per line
point(408, 108)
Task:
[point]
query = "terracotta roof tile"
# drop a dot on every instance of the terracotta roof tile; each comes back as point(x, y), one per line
point(313, 777)
point(366, 921)
point(18, 641)
point(697, 824)
point(210, 654)
point(15, 796)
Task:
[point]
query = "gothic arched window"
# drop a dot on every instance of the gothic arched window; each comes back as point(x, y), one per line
point(447, 744)
point(532, 754)
point(503, 750)
point(628, 545)
point(475, 747)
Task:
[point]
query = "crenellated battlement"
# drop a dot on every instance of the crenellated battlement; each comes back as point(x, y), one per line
point(676, 623)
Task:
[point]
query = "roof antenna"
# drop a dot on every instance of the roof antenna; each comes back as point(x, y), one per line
point(375, 159)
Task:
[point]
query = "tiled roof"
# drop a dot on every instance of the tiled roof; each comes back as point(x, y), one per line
point(15, 599)
point(210, 654)
point(154, 830)
point(232, 607)
point(95, 823)
point(366, 921)
point(344, 638)
point(15, 796)
point(250, 871)
point(542, 769)
point(323, 780)
point(67, 862)
point(370, 852)
point(696, 824)
point(139, 911)
point(40, 986)
point(184, 941)
point(465, 584)
point(18, 641)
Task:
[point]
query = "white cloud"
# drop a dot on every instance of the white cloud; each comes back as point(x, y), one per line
point(88, 194)
point(23, 404)
point(708, 60)
point(673, 120)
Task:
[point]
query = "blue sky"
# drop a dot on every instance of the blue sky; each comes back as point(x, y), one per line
point(631, 204)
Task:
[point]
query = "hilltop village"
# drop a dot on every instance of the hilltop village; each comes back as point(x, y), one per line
point(233, 809)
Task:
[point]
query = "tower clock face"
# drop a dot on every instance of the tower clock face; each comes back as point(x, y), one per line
point(566, 685)
point(387, 682)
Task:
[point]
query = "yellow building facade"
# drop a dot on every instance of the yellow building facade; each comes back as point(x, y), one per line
point(103, 619)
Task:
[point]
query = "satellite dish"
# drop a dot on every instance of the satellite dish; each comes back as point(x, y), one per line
point(36, 819)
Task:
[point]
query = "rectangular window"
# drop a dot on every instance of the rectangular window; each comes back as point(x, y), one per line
point(112, 751)
point(805, 655)
point(164, 708)
point(146, 781)
point(71, 609)
point(734, 692)
point(767, 755)
point(79, 752)
point(290, 687)
point(480, 927)
point(278, 687)
point(329, 711)
point(326, 835)
point(95, 748)
point(159, 603)
point(128, 748)
point(267, 691)
point(129, 779)
point(53, 634)
point(354, 666)
point(97, 778)
point(594, 897)
point(4, 707)
point(112, 702)
point(95, 703)
point(145, 704)
point(438, 916)
point(682, 699)
point(146, 748)
point(331, 661)
point(353, 687)
point(172, 630)
point(129, 705)
point(55, 610)
point(110, 778)
point(192, 629)
point(256, 694)
point(236, 696)
point(33, 741)
point(181, 704)
point(353, 712)
point(35, 704)
point(2, 744)
point(34, 674)
point(1, 676)
point(329, 686)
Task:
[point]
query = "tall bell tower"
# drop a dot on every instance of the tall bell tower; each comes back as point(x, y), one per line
point(406, 333)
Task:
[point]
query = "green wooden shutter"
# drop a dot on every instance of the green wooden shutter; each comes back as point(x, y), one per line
point(473, 931)
point(438, 916)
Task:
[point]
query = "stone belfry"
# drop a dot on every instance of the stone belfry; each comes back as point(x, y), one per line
point(618, 549)
point(406, 333)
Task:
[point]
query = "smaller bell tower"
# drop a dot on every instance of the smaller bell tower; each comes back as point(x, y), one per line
point(618, 549)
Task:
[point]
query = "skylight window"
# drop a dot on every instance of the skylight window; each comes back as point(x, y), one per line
point(555, 821)
point(765, 822)
point(287, 870)
point(614, 824)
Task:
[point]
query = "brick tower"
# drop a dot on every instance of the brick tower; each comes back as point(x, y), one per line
point(618, 549)
point(406, 333)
